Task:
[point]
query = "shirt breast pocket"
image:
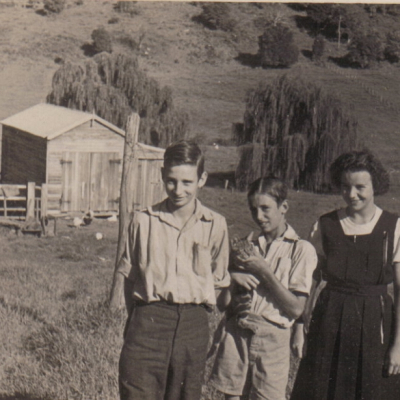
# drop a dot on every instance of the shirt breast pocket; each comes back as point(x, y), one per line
point(201, 260)
point(282, 270)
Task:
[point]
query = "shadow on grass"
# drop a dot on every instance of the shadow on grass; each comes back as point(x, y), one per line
point(307, 54)
point(43, 13)
point(199, 19)
point(88, 51)
point(344, 62)
point(249, 60)
point(218, 180)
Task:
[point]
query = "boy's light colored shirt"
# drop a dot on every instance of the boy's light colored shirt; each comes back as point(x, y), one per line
point(294, 269)
point(178, 266)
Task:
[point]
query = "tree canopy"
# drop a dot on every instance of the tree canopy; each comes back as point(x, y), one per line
point(293, 129)
point(113, 86)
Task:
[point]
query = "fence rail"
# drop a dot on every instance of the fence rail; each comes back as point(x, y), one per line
point(23, 202)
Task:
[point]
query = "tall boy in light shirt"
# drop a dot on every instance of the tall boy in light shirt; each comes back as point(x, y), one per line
point(175, 267)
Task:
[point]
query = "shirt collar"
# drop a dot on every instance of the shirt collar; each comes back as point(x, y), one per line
point(160, 210)
point(289, 235)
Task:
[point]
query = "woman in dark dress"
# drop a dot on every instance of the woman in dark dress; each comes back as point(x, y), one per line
point(353, 342)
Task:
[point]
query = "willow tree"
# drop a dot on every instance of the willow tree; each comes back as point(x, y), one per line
point(113, 86)
point(293, 129)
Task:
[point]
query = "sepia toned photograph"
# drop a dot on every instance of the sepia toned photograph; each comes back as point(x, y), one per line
point(199, 200)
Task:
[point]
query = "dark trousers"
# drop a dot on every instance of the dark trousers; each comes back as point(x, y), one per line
point(164, 352)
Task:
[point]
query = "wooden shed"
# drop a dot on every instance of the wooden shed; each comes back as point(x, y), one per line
point(79, 156)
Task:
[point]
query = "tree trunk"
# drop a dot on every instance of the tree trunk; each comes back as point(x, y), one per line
point(125, 207)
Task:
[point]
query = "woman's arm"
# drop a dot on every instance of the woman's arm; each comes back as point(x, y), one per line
point(392, 362)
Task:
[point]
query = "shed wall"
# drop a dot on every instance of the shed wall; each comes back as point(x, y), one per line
point(23, 157)
point(90, 137)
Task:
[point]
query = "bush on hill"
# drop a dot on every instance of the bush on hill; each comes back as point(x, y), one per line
point(336, 21)
point(54, 6)
point(128, 7)
point(216, 16)
point(101, 41)
point(113, 86)
point(277, 47)
point(392, 49)
point(365, 50)
point(318, 48)
point(294, 130)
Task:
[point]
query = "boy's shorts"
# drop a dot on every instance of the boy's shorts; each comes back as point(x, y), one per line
point(253, 364)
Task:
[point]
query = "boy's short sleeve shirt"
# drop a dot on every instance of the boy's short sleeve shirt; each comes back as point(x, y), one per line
point(178, 266)
point(293, 261)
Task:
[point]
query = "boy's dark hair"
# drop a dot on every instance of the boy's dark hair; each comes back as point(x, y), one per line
point(271, 186)
point(357, 161)
point(184, 152)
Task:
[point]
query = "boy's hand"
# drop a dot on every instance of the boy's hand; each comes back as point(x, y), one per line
point(248, 281)
point(297, 341)
point(246, 257)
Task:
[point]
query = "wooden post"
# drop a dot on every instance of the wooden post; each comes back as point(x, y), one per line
point(30, 201)
point(125, 206)
point(43, 207)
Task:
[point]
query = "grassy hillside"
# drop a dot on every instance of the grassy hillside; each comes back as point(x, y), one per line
point(58, 340)
point(202, 66)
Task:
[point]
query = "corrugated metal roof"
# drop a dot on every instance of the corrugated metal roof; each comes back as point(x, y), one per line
point(49, 121)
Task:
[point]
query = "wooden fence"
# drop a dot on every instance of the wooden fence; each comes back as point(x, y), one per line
point(23, 202)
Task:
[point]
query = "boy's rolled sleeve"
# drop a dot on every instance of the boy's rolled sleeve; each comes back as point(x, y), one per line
point(125, 263)
point(304, 263)
point(220, 255)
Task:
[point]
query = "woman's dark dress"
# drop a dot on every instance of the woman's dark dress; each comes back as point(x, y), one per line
point(345, 353)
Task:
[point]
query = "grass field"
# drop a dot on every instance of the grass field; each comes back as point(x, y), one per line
point(58, 340)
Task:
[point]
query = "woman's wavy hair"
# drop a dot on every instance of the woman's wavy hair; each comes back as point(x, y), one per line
point(356, 161)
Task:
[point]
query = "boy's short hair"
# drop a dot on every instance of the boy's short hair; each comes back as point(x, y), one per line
point(184, 152)
point(271, 186)
point(357, 161)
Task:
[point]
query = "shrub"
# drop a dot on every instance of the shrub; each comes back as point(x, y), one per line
point(294, 130)
point(127, 7)
point(318, 48)
point(216, 16)
point(113, 87)
point(128, 41)
point(113, 20)
point(54, 6)
point(392, 49)
point(101, 41)
point(277, 47)
point(365, 50)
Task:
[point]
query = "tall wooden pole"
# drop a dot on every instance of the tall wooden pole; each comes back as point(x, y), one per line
point(30, 201)
point(125, 206)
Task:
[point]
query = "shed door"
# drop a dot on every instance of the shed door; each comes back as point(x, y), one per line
point(90, 181)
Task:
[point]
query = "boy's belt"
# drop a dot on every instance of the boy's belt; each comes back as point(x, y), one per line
point(140, 303)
